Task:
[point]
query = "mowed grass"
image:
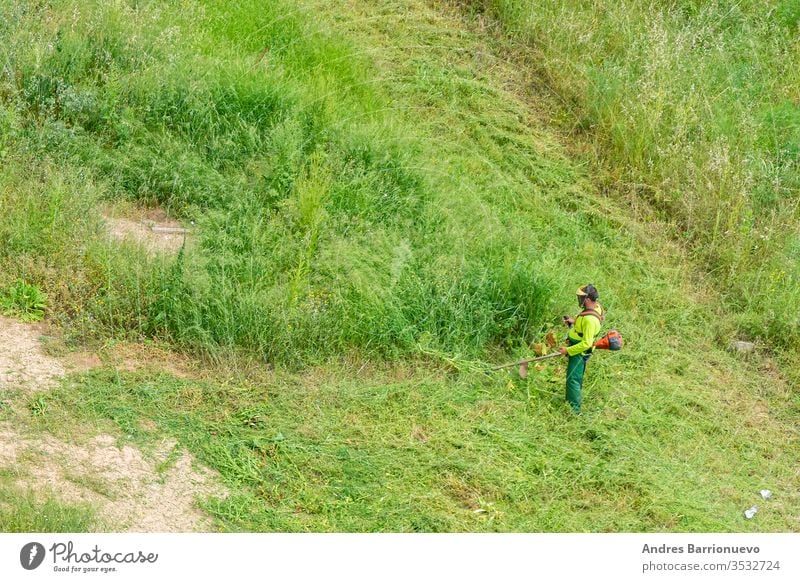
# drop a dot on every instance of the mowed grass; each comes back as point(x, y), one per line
point(406, 448)
point(381, 211)
point(27, 512)
point(33, 508)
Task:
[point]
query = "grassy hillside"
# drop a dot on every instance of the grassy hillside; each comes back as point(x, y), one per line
point(381, 207)
point(690, 109)
point(320, 229)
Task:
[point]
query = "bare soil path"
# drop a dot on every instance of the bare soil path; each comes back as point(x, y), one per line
point(131, 490)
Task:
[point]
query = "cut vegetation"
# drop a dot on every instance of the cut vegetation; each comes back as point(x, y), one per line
point(385, 197)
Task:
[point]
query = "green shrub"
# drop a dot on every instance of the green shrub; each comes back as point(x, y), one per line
point(24, 301)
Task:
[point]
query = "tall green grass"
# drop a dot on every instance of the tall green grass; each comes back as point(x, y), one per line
point(329, 220)
point(319, 228)
point(692, 108)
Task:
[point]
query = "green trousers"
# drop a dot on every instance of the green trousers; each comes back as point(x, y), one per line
point(575, 370)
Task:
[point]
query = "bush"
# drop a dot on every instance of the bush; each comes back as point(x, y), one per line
point(24, 301)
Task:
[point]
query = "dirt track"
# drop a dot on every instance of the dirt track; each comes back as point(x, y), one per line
point(22, 362)
point(120, 482)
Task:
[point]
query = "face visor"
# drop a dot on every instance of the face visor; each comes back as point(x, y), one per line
point(581, 296)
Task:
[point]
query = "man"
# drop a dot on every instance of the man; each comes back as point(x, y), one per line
point(585, 328)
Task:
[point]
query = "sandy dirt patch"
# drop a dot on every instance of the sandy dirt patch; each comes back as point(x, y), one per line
point(23, 364)
point(152, 229)
point(124, 485)
point(131, 491)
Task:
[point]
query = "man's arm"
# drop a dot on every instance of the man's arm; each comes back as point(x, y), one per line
point(590, 328)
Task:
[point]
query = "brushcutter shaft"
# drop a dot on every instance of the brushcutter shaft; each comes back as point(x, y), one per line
point(520, 362)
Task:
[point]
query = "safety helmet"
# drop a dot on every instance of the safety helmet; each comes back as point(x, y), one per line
point(588, 291)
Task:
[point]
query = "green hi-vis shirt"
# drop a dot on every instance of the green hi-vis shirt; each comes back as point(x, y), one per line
point(584, 331)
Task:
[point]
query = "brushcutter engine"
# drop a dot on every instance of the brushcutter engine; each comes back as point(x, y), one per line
point(611, 341)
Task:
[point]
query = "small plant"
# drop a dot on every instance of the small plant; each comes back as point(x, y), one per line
point(25, 301)
point(38, 406)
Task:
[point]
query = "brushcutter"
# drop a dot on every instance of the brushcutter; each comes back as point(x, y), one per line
point(612, 341)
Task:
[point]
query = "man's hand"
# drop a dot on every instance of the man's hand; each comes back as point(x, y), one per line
point(568, 321)
point(563, 351)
